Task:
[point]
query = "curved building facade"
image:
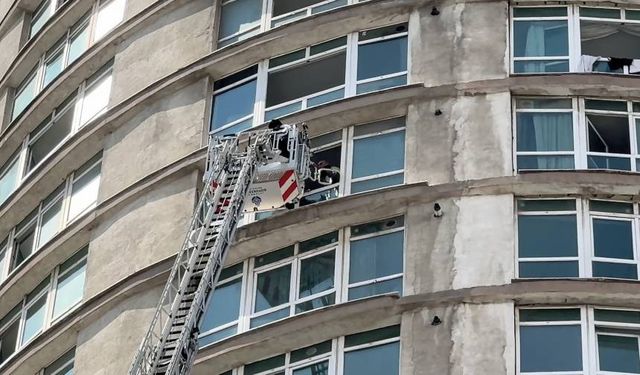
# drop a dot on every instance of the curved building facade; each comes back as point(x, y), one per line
point(483, 217)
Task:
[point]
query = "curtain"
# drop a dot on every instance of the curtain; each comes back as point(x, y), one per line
point(547, 132)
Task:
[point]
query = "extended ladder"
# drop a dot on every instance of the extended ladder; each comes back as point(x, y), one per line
point(170, 345)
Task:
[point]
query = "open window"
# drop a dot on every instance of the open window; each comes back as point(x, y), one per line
point(610, 40)
point(608, 135)
point(327, 159)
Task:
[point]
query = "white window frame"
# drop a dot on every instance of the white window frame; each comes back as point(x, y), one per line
point(589, 340)
point(354, 59)
point(55, 278)
point(294, 281)
point(586, 248)
point(346, 285)
point(62, 366)
point(575, 43)
point(27, 302)
point(267, 21)
point(350, 86)
point(36, 222)
point(289, 367)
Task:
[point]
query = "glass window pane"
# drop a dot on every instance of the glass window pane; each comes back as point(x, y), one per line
point(50, 139)
point(540, 12)
point(79, 43)
point(316, 274)
point(599, 12)
point(381, 84)
point(606, 105)
point(109, 16)
point(326, 46)
point(604, 162)
point(368, 160)
point(318, 242)
point(274, 256)
point(273, 288)
point(613, 238)
point(40, 17)
point(264, 365)
point(9, 180)
point(546, 205)
point(376, 257)
point(96, 99)
point(377, 226)
point(547, 236)
point(377, 360)
point(616, 270)
point(540, 38)
point(268, 318)
point(617, 316)
point(372, 336)
point(70, 289)
point(316, 303)
point(52, 68)
point(240, 15)
point(619, 354)
point(550, 348)
point(306, 79)
point(233, 104)
point(548, 269)
point(51, 223)
point(24, 246)
point(310, 351)
point(34, 319)
point(321, 368)
point(554, 103)
point(84, 192)
point(224, 306)
point(9, 340)
point(608, 206)
point(285, 6)
point(381, 58)
point(541, 66)
point(545, 162)
point(25, 96)
point(62, 366)
point(549, 315)
point(544, 131)
point(217, 336)
point(376, 288)
point(382, 32)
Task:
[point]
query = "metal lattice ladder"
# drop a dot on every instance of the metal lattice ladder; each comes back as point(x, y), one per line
point(170, 345)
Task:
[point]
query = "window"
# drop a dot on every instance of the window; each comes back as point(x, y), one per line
point(540, 40)
point(382, 58)
point(9, 178)
point(295, 279)
point(578, 39)
point(110, 14)
point(223, 312)
point(371, 169)
point(54, 296)
point(581, 340)
point(357, 262)
point(50, 134)
point(94, 25)
point(310, 77)
point(233, 102)
point(577, 133)
point(326, 155)
point(63, 365)
point(70, 279)
point(376, 258)
point(95, 96)
point(84, 188)
point(374, 352)
point(24, 95)
point(71, 199)
point(553, 242)
point(545, 134)
point(306, 78)
point(41, 15)
point(241, 19)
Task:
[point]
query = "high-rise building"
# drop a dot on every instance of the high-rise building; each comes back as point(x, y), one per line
point(482, 216)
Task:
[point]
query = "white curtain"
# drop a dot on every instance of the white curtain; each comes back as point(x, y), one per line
point(548, 132)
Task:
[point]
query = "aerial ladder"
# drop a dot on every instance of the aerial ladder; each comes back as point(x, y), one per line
point(251, 171)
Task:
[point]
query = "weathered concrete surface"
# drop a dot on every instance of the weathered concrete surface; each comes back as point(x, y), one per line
point(463, 43)
point(164, 132)
point(470, 140)
point(10, 44)
point(107, 346)
point(144, 232)
point(162, 47)
point(472, 339)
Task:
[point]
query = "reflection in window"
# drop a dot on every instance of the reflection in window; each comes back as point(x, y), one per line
point(62, 365)
point(233, 102)
point(221, 318)
point(372, 169)
point(382, 58)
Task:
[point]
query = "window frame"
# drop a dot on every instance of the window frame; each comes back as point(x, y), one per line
point(585, 232)
point(589, 340)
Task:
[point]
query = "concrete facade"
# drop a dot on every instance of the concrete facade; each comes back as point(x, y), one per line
point(164, 58)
